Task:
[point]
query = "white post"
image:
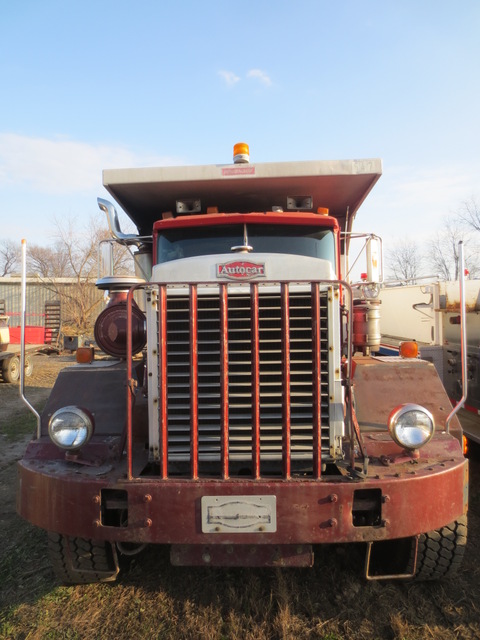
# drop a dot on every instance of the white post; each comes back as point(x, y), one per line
point(22, 336)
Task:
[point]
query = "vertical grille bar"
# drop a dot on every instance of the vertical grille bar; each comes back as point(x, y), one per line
point(316, 389)
point(193, 382)
point(224, 378)
point(255, 381)
point(163, 380)
point(129, 386)
point(286, 435)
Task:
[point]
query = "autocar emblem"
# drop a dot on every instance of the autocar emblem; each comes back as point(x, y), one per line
point(241, 270)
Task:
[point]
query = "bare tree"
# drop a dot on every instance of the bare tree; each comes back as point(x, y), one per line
point(443, 250)
point(470, 214)
point(9, 257)
point(74, 255)
point(48, 262)
point(404, 261)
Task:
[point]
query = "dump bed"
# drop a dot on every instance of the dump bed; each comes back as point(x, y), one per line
point(340, 185)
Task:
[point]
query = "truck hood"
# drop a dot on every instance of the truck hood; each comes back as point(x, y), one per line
point(243, 267)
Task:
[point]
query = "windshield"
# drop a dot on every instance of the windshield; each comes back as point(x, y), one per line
point(303, 240)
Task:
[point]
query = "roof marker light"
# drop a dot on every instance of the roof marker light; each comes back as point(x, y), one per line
point(323, 211)
point(241, 153)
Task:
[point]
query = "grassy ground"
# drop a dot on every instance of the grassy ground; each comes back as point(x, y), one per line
point(157, 601)
point(19, 425)
point(154, 600)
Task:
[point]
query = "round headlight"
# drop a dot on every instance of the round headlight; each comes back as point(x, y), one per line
point(411, 426)
point(70, 428)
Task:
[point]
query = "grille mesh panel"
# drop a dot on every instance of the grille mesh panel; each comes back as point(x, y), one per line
point(240, 389)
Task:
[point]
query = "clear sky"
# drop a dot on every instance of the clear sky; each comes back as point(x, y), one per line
point(93, 84)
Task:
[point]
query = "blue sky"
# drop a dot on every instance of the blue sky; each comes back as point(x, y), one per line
point(99, 84)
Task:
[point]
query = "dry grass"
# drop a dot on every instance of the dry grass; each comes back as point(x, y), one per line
point(157, 601)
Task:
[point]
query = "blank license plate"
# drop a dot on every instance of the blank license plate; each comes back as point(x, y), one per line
point(239, 514)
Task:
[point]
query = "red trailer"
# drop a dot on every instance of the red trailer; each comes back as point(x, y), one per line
point(10, 351)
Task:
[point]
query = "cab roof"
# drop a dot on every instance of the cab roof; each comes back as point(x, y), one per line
point(339, 185)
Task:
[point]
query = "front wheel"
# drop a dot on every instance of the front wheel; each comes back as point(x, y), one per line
point(440, 552)
point(82, 561)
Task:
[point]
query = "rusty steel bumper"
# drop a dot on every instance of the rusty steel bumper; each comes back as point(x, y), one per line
point(398, 498)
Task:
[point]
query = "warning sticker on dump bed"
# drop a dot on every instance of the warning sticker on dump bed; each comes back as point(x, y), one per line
point(238, 170)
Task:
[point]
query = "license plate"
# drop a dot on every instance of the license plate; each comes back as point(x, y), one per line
point(239, 514)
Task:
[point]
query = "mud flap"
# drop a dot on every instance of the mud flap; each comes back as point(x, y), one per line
point(391, 559)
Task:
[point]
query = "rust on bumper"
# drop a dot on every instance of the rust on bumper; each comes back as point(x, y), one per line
point(410, 496)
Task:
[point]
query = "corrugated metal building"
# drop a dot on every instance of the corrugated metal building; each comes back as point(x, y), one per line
point(39, 292)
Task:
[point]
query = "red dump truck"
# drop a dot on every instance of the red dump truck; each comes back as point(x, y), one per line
point(241, 417)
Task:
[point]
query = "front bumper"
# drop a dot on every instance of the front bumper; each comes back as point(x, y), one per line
point(398, 498)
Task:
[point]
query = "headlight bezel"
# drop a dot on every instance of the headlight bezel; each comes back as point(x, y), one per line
point(75, 442)
point(417, 436)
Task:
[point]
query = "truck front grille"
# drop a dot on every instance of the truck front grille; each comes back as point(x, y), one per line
point(247, 388)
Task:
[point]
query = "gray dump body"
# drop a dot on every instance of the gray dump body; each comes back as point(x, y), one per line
point(339, 185)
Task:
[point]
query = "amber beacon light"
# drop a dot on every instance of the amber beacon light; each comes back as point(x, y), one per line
point(241, 153)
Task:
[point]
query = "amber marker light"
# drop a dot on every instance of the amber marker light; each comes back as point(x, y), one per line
point(408, 349)
point(323, 211)
point(85, 355)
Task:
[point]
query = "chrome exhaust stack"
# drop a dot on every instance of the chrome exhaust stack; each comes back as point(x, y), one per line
point(463, 336)
point(114, 224)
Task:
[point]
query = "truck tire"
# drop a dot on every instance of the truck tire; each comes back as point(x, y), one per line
point(82, 561)
point(11, 369)
point(440, 552)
